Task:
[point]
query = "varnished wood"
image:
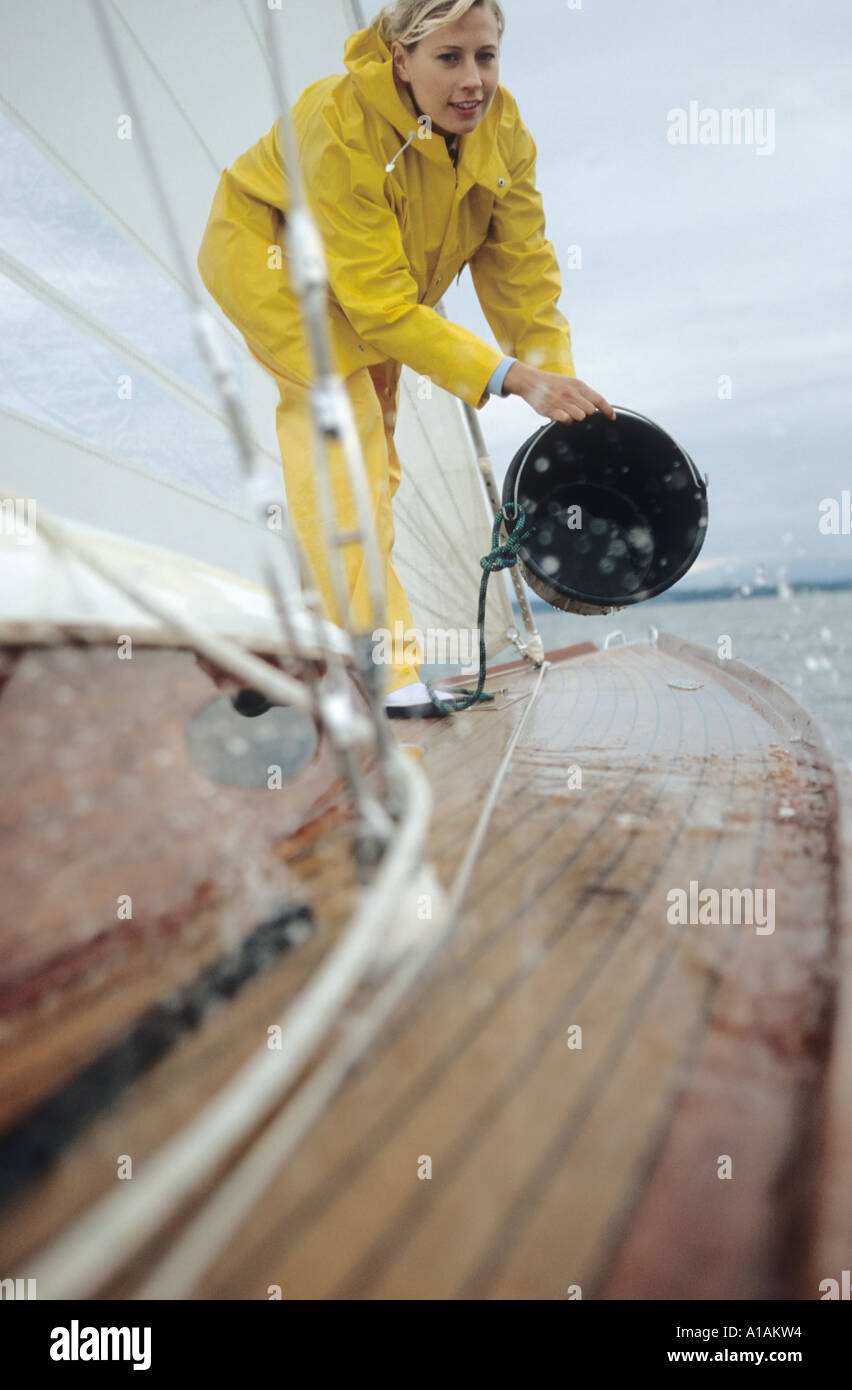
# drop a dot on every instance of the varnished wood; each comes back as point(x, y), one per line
point(551, 1167)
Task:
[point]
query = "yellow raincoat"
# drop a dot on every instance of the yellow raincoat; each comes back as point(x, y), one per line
point(393, 242)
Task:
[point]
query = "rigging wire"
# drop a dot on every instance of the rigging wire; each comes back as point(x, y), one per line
point(333, 419)
point(105, 1236)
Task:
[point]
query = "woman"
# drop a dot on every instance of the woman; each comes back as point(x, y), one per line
point(415, 163)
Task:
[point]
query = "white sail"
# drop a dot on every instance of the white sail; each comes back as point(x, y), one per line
point(199, 73)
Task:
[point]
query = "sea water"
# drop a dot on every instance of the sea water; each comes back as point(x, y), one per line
point(802, 639)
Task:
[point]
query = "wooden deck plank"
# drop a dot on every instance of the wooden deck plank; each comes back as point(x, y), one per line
point(554, 1167)
point(478, 1203)
point(440, 1017)
point(345, 1214)
point(600, 999)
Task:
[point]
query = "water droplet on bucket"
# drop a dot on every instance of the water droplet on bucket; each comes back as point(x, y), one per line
point(641, 538)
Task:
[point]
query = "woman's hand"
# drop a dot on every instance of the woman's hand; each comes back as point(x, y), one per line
point(558, 397)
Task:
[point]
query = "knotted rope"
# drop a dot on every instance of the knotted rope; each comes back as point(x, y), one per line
point(500, 557)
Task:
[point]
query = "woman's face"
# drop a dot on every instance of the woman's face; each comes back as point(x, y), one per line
point(455, 64)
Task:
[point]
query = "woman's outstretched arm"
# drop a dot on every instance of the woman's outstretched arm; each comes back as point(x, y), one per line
point(369, 273)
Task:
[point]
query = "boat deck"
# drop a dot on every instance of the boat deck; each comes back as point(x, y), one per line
point(585, 1095)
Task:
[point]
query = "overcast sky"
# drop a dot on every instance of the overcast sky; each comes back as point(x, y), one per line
point(701, 263)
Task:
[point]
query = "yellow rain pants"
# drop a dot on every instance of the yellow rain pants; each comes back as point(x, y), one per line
point(374, 393)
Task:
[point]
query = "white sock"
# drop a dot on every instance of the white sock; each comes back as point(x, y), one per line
point(415, 694)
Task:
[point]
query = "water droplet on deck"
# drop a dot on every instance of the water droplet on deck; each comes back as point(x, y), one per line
point(480, 995)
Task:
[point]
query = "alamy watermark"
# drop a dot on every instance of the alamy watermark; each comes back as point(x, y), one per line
point(18, 1288)
point(837, 1288)
point(728, 125)
point(18, 518)
point(412, 646)
point(76, 1343)
point(836, 515)
point(713, 907)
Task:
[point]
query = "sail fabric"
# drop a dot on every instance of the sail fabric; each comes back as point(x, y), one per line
point(199, 74)
point(442, 523)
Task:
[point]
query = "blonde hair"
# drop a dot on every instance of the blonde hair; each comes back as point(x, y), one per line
point(409, 21)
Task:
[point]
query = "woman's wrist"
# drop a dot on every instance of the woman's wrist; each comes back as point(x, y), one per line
point(517, 379)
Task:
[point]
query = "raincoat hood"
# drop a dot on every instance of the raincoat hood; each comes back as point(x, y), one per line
point(370, 64)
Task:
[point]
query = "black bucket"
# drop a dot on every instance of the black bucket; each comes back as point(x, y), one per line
point(618, 511)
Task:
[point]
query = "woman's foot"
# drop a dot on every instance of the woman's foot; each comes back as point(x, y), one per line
point(413, 702)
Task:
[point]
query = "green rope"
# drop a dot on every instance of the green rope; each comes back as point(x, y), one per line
point(501, 557)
